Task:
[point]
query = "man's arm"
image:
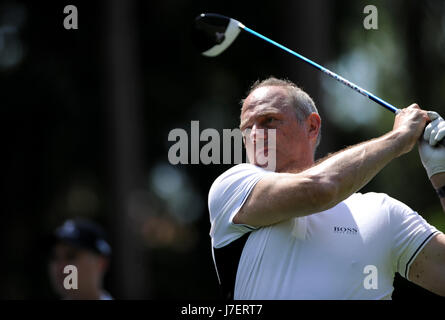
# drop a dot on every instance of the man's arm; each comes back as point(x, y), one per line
point(283, 196)
point(428, 269)
point(438, 181)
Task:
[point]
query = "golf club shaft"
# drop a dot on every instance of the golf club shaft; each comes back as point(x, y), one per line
point(326, 71)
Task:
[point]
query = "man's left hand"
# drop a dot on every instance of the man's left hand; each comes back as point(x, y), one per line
point(432, 154)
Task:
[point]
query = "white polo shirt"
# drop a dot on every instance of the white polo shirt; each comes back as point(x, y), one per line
point(327, 255)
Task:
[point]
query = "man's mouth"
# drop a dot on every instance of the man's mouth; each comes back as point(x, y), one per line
point(263, 149)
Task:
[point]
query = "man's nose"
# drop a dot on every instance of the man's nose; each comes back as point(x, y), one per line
point(258, 133)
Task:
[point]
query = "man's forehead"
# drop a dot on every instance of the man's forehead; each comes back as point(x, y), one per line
point(266, 100)
point(265, 94)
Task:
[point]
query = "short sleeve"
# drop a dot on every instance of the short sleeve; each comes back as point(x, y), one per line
point(226, 197)
point(410, 233)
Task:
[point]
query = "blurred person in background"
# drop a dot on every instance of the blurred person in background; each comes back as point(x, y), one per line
point(80, 243)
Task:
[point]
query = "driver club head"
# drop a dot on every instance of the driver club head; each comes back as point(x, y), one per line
point(213, 33)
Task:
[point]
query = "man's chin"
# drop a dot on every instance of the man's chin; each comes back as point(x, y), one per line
point(265, 162)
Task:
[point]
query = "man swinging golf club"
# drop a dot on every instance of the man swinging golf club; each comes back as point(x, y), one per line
point(303, 231)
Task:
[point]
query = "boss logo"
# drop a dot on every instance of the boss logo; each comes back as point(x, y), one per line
point(345, 230)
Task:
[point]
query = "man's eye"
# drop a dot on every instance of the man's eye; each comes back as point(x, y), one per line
point(270, 119)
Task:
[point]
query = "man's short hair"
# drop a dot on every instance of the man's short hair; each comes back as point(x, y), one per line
point(302, 102)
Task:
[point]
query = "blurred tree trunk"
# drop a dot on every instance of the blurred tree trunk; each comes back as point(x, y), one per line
point(129, 265)
point(306, 26)
point(415, 62)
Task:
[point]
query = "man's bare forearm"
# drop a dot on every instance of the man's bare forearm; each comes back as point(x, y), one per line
point(278, 198)
point(349, 170)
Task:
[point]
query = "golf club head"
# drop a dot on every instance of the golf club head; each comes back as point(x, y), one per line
point(213, 33)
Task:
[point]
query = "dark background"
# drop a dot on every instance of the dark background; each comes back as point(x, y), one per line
point(86, 113)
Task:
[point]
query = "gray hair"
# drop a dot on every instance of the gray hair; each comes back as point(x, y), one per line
point(302, 102)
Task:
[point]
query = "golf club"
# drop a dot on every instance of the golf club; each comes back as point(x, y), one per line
point(214, 33)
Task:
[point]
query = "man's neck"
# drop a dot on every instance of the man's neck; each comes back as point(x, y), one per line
point(294, 167)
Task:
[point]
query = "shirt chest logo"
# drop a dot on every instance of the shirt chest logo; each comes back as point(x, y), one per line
point(345, 230)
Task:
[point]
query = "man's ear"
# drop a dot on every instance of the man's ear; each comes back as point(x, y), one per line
point(313, 124)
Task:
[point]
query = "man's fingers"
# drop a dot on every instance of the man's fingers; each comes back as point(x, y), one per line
point(433, 134)
point(433, 115)
point(440, 135)
point(435, 130)
point(427, 132)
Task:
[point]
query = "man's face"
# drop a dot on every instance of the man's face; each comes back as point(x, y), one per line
point(270, 108)
point(90, 269)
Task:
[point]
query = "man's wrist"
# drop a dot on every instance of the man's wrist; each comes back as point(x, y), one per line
point(438, 180)
point(397, 142)
point(441, 192)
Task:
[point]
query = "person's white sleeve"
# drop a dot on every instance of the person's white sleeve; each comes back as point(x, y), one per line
point(410, 233)
point(226, 197)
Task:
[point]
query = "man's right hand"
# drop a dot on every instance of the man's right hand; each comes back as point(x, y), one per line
point(410, 123)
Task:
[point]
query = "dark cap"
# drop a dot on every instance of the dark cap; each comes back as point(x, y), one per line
point(83, 234)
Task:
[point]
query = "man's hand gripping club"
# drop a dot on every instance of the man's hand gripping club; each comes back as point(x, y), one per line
point(431, 153)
